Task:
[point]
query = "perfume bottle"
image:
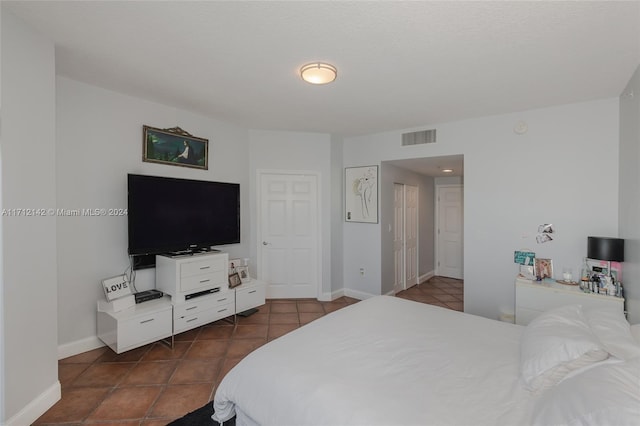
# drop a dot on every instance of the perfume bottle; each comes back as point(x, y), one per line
point(585, 277)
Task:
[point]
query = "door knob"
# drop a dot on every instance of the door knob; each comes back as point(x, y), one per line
point(264, 243)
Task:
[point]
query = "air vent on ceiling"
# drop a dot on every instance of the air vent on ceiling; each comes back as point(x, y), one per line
point(417, 138)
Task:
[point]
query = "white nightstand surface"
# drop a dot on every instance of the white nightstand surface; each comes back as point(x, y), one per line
point(535, 297)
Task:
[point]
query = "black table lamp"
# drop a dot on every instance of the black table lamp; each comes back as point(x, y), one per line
point(609, 249)
point(602, 248)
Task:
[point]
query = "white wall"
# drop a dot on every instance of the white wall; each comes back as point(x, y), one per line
point(630, 193)
point(563, 171)
point(30, 370)
point(99, 136)
point(2, 382)
point(337, 214)
point(274, 150)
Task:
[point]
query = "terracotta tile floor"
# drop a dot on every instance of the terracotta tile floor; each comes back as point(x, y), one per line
point(155, 384)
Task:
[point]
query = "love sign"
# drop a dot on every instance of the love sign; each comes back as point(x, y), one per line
point(116, 287)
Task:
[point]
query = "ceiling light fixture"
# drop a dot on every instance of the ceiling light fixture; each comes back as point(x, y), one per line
point(447, 170)
point(318, 73)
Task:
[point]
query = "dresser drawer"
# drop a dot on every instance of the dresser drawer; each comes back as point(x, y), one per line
point(144, 329)
point(203, 317)
point(249, 297)
point(204, 266)
point(204, 281)
point(203, 303)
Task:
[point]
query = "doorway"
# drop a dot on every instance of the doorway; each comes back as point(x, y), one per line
point(449, 231)
point(288, 234)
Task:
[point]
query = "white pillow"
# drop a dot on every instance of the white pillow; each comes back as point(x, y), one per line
point(555, 343)
point(613, 331)
point(607, 395)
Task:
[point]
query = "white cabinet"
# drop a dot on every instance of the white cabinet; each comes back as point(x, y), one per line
point(191, 303)
point(203, 310)
point(136, 326)
point(533, 298)
point(184, 277)
point(250, 295)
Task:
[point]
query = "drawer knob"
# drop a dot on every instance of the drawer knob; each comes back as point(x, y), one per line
point(193, 307)
point(148, 320)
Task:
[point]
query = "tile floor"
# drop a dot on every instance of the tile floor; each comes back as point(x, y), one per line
point(155, 384)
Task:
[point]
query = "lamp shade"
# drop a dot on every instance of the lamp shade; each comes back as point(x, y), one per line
point(602, 248)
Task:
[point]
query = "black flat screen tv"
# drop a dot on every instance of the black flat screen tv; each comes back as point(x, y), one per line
point(169, 215)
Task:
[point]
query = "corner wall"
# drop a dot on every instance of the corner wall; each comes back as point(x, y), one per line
point(280, 150)
point(30, 369)
point(629, 206)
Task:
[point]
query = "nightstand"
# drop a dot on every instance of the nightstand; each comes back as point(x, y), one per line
point(535, 297)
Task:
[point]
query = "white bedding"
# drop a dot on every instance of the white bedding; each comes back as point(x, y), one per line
point(383, 361)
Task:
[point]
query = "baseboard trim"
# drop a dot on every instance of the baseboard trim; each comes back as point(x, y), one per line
point(424, 277)
point(79, 346)
point(328, 297)
point(37, 407)
point(356, 294)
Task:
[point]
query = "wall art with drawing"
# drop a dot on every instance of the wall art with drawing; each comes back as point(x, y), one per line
point(361, 194)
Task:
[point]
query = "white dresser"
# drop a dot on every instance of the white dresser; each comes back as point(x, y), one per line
point(197, 294)
point(184, 277)
point(535, 297)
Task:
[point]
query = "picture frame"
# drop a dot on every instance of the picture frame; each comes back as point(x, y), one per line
point(116, 287)
point(243, 271)
point(234, 280)
point(175, 147)
point(361, 194)
point(233, 265)
point(543, 268)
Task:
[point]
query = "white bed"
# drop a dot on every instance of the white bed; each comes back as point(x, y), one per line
point(389, 361)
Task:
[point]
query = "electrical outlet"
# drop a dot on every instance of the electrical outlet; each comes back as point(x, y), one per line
point(362, 271)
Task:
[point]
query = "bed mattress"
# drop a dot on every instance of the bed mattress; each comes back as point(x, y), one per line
point(382, 361)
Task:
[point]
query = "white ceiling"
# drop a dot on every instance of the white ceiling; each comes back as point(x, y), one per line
point(400, 64)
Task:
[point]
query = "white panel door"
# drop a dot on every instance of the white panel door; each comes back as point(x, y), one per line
point(450, 231)
point(398, 237)
point(288, 235)
point(405, 236)
point(411, 235)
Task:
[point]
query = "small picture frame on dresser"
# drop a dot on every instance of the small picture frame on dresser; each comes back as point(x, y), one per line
point(243, 271)
point(233, 264)
point(234, 280)
point(543, 268)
